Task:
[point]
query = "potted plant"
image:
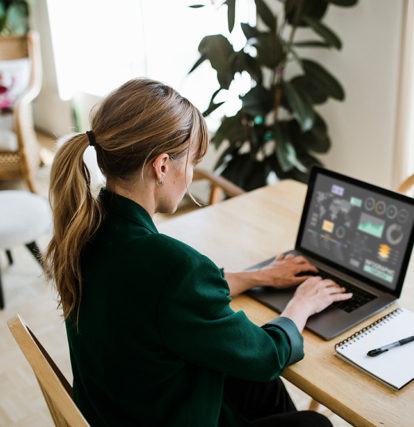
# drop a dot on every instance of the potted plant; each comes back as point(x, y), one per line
point(277, 127)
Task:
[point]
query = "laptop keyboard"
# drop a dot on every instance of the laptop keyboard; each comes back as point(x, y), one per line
point(359, 297)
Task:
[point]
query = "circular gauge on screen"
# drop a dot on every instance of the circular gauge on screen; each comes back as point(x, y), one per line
point(369, 204)
point(394, 234)
point(402, 215)
point(392, 211)
point(380, 207)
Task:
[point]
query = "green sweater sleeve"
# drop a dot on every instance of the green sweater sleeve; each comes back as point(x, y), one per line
point(197, 323)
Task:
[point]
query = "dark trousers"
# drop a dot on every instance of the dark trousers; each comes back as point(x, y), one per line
point(267, 404)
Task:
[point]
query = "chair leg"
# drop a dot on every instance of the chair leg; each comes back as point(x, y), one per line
point(215, 194)
point(35, 251)
point(31, 183)
point(9, 256)
point(1, 294)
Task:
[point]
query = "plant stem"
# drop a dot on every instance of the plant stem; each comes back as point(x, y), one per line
point(280, 74)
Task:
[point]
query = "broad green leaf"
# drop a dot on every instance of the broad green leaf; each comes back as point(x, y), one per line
point(316, 139)
point(301, 108)
point(198, 62)
point(249, 31)
point(326, 33)
point(230, 129)
point(282, 150)
point(323, 79)
point(217, 49)
point(270, 50)
point(266, 14)
point(244, 62)
point(231, 10)
point(314, 8)
point(307, 86)
point(226, 155)
point(258, 175)
point(238, 169)
point(258, 101)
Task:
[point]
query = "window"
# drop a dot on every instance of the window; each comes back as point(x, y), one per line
point(99, 44)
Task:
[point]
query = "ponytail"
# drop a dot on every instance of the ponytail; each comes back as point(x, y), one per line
point(76, 217)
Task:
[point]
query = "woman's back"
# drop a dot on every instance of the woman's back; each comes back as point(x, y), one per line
point(122, 369)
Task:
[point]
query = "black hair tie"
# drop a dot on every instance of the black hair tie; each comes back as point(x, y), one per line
point(91, 137)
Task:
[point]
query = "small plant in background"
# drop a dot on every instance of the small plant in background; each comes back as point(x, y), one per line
point(14, 17)
point(277, 127)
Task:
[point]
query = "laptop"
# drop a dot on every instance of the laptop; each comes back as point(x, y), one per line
point(357, 234)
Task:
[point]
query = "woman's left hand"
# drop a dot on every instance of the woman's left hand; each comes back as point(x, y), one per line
point(283, 271)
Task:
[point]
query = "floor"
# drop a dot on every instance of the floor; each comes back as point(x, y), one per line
point(27, 293)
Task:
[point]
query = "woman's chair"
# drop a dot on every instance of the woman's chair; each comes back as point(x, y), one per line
point(19, 148)
point(407, 186)
point(54, 386)
point(218, 185)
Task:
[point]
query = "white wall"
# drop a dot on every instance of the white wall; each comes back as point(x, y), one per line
point(363, 127)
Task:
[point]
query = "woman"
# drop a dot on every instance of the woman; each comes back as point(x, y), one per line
point(152, 338)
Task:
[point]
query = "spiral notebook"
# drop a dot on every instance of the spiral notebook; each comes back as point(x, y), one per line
point(394, 368)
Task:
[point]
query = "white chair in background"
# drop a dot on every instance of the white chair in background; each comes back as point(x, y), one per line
point(24, 217)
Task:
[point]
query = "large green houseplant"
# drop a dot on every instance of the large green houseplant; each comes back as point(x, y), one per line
point(277, 127)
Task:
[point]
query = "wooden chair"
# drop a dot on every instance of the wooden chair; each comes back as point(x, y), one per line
point(21, 161)
point(55, 388)
point(219, 185)
point(407, 186)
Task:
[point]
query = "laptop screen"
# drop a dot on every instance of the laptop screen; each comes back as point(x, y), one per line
point(362, 228)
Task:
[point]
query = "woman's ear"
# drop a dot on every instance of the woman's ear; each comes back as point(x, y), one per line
point(160, 165)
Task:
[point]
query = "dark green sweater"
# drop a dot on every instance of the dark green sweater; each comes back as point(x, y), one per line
point(156, 335)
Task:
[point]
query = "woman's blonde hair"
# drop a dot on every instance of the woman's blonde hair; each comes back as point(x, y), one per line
point(132, 126)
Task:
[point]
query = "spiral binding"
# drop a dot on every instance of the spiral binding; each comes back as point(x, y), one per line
point(368, 329)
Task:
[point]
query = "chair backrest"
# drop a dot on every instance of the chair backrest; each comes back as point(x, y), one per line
point(407, 186)
point(22, 161)
point(55, 388)
point(13, 47)
point(218, 185)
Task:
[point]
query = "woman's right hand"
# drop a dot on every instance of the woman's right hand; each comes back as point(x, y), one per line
point(311, 297)
point(315, 294)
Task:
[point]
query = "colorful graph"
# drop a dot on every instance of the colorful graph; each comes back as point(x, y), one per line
point(371, 225)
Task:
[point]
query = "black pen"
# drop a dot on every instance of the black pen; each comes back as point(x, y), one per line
point(385, 348)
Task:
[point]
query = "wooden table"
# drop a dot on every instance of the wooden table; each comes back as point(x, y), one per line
point(252, 227)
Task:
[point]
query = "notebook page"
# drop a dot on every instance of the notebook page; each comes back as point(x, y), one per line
point(396, 366)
